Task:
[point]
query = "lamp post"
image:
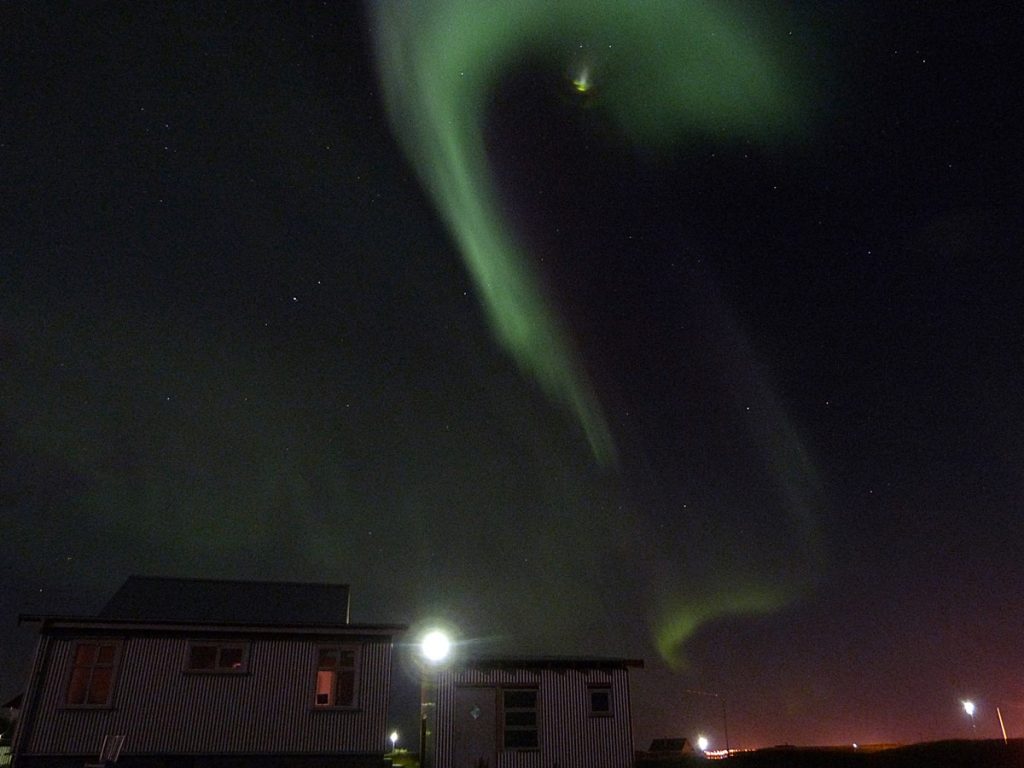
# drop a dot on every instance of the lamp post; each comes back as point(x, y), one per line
point(703, 743)
point(394, 740)
point(725, 718)
point(435, 648)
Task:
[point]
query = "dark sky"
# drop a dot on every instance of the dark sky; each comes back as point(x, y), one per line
point(238, 340)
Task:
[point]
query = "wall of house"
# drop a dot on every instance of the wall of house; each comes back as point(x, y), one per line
point(570, 737)
point(164, 711)
point(214, 761)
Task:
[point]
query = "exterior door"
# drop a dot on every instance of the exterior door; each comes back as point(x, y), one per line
point(476, 727)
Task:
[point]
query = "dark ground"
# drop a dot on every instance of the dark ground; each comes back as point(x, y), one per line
point(938, 754)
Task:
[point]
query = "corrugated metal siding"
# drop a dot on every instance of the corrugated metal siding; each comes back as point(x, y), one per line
point(569, 736)
point(22, 729)
point(165, 711)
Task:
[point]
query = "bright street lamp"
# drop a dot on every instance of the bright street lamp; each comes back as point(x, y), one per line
point(725, 719)
point(969, 708)
point(394, 740)
point(435, 646)
point(435, 649)
point(703, 743)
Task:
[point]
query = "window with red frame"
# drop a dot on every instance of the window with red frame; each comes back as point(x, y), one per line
point(93, 669)
point(336, 676)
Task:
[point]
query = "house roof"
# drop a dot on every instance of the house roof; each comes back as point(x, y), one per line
point(547, 662)
point(94, 624)
point(676, 746)
point(206, 601)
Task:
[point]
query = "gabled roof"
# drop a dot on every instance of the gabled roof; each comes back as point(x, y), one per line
point(202, 601)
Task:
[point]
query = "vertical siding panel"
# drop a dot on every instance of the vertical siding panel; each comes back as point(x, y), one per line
point(163, 710)
point(444, 720)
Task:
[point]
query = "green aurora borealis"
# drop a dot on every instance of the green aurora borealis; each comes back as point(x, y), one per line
point(663, 73)
point(669, 329)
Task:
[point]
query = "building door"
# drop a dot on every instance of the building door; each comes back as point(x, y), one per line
point(476, 728)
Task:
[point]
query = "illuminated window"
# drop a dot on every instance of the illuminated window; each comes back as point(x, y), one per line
point(336, 676)
point(519, 713)
point(600, 700)
point(220, 658)
point(92, 673)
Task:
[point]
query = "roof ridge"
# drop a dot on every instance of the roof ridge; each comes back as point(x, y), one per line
point(239, 581)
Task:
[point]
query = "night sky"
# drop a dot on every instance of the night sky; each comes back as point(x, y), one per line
point(661, 330)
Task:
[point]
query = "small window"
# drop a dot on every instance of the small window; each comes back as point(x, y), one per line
point(93, 669)
point(336, 676)
point(519, 713)
point(600, 700)
point(217, 658)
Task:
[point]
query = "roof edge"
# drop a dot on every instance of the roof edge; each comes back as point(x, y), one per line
point(145, 577)
point(99, 622)
point(550, 662)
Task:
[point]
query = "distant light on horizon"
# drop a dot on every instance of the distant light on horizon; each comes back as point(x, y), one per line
point(703, 743)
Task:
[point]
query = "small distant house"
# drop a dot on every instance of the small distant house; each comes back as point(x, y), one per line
point(9, 712)
point(12, 707)
point(667, 749)
point(530, 712)
point(194, 673)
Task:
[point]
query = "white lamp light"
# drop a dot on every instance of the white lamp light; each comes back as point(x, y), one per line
point(435, 646)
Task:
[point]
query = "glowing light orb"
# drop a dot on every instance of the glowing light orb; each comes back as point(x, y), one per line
point(435, 646)
point(969, 708)
point(703, 743)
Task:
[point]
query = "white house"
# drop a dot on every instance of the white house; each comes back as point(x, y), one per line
point(548, 712)
point(195, 673)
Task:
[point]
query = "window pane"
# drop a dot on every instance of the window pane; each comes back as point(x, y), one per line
point(521, 718)
point(521, 739)
point(106, 654)
point(346, 688)
point(99, 688)
point(202, 657)
point(346, 658)
point(78, 686)
point(85, 654)
point(230, 658)
point(520, 699)
point(324, 688)
point(600, 701)
point(328, 658)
